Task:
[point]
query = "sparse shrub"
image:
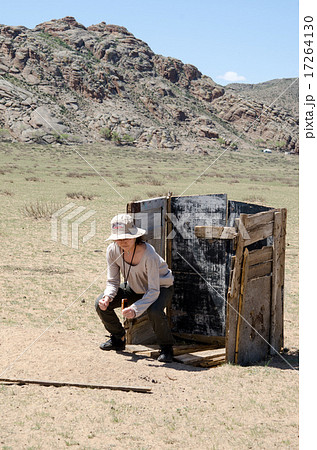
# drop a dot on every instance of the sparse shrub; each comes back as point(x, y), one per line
point(40, 209)
point(74, 175)
point(115, 137)
point(6, 192)
point(154, 181)
point(221, 141)
point(80, 195)
point(106, 133)
point(60, 138)
point(32, 179)
point(127, 139)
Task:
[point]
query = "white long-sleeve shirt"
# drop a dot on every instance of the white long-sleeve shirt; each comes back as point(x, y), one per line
point(145, 278)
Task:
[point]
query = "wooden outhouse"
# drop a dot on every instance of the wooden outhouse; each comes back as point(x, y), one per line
point(227, 258)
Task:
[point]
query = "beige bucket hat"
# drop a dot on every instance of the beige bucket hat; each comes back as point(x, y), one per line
point(122, 227)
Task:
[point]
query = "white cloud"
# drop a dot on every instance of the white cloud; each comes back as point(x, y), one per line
point(232, 76)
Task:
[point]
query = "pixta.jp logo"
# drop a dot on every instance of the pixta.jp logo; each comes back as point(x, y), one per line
point(61, 224)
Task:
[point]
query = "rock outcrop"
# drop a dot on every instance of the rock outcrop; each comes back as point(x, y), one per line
point(64, 82)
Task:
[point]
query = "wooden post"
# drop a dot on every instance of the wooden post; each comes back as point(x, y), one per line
point(233, 295)
point(244, 278)
point(277, 307)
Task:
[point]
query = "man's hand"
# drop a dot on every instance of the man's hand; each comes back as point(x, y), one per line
point(104, 303)
point(128, 313)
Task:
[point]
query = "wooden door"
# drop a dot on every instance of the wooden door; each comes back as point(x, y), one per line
point(199, 267)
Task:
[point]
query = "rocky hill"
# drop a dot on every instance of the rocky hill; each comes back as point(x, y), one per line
point(67, 83)
point(270, 92)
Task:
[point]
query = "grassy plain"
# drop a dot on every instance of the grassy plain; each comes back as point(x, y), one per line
point(48, 291)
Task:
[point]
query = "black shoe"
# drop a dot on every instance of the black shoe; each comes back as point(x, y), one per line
point(113, 343)
point(166, 354)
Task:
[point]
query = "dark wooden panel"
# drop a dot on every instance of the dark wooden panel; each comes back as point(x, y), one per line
point(199, 266)
point(197, 306)
point(188, 212)
point(255, 322)
point(237, 208)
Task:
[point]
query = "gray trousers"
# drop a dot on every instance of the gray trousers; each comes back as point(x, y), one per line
point(155, 313)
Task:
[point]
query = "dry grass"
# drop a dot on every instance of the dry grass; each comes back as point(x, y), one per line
point(80, 196)
point(229, 407)
point(40, 209)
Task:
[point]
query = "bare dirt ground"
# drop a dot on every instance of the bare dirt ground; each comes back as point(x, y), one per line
point(223, 407)
point(50, 331)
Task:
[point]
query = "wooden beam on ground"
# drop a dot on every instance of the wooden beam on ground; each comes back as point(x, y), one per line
point(216, 356)
point(152, 351)
point(78, 385)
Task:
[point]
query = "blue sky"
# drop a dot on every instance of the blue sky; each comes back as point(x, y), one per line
point(249, 40)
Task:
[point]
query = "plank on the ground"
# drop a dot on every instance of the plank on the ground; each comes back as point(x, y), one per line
point(71, 384)
point(197, 357)
point(153, 351)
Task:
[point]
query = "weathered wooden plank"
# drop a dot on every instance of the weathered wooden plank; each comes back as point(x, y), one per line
point(277, 307)
point(244, 278)
point(78, 385)
point(213, 362)
point(235, 287)
point(259, 233)
point(262, 218)
point(152, 351)
point(140, 331)
point(212, 340)
point(197, 357)
point(215, 232)
point(261, 255)
point(233, 297)
point(260, 270)
point(137, 348)
point(255, 321)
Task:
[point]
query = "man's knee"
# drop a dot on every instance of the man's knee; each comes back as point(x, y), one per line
point(155, 311)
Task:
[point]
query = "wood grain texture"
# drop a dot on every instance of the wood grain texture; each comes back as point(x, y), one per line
point(260, 270)
point(260, 256)
point(254, 334)
point(277, 305)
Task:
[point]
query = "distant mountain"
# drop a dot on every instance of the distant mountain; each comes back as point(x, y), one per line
point(67, 83)
point(270, 92)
